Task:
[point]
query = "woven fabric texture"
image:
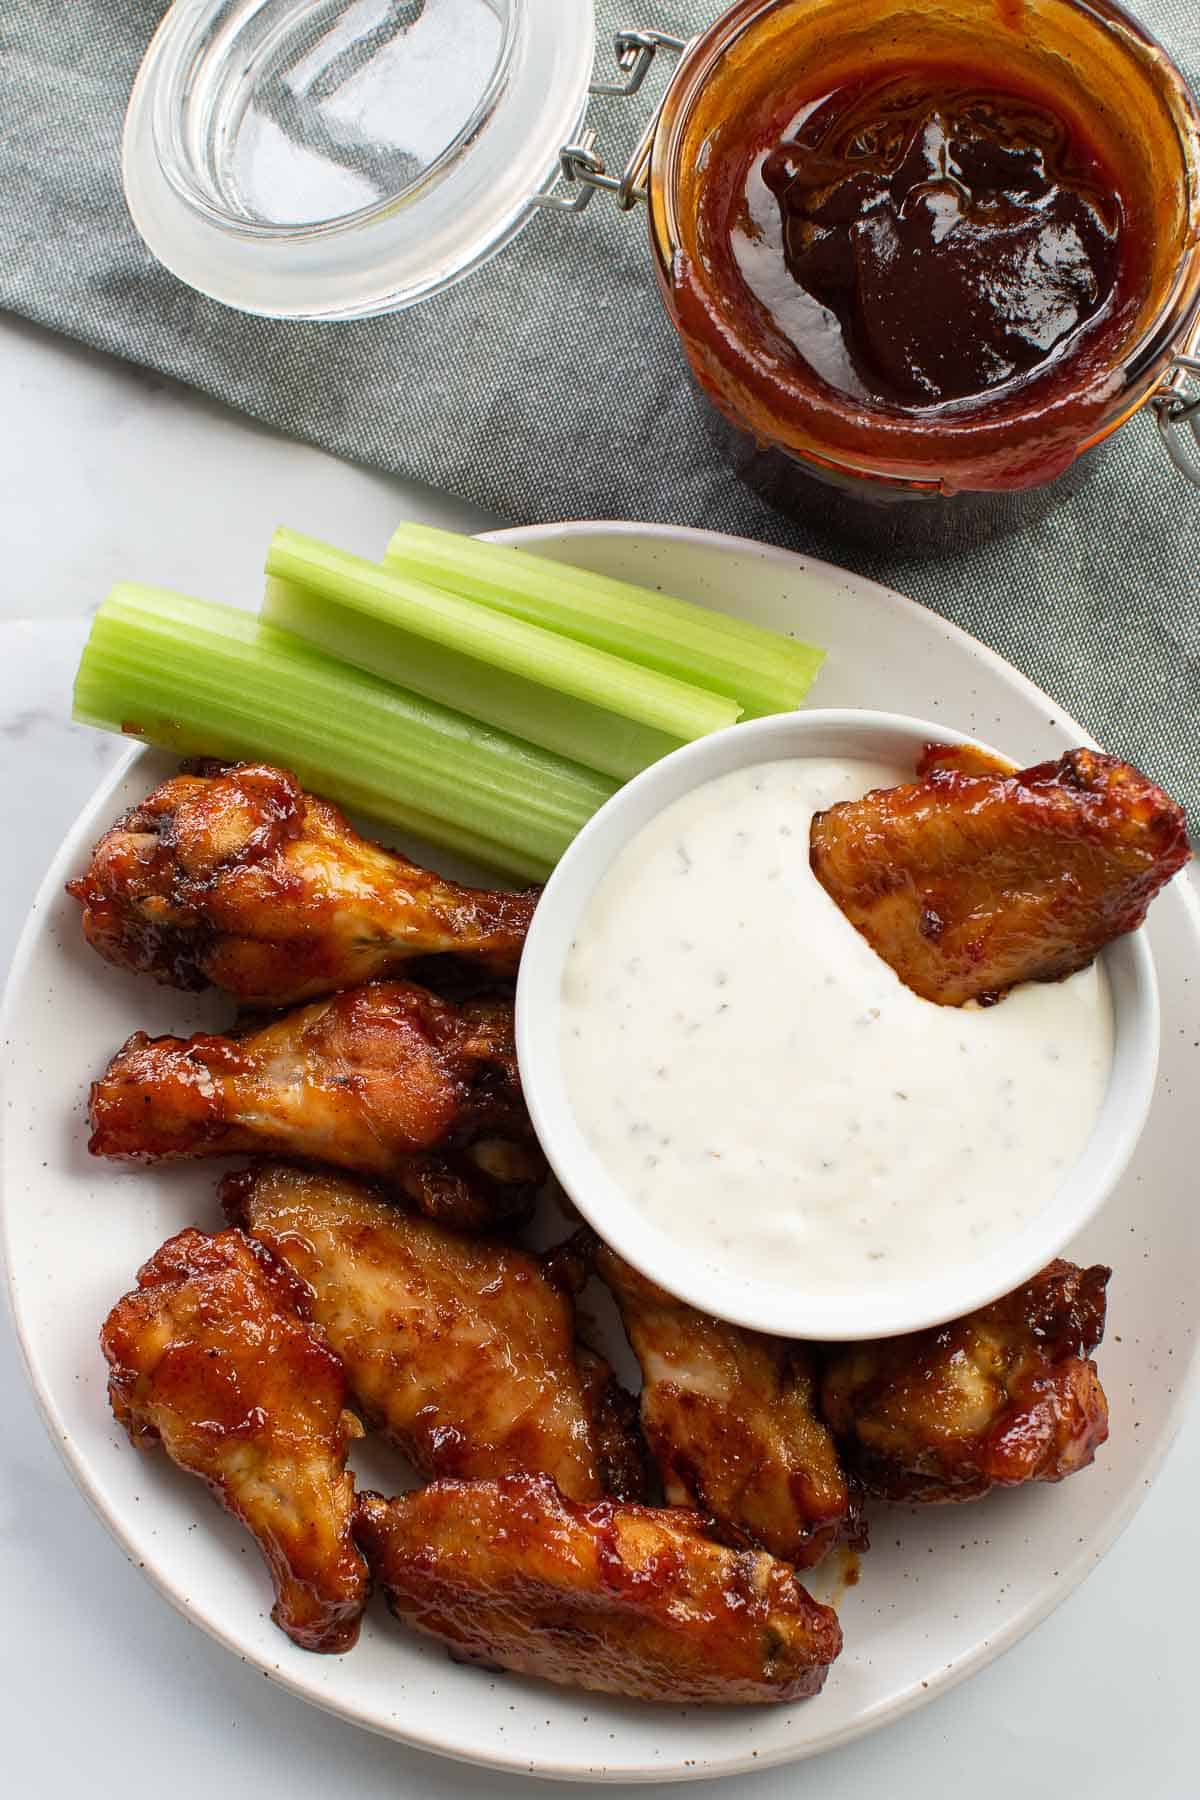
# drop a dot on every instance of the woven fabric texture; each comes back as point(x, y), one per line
point(550, 385)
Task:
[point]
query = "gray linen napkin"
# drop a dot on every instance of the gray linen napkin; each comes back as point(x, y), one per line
point(550, 385)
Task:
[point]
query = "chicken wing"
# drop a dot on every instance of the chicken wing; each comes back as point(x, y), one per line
point(240, 879)
point(731, 1420)
point(373, 1080)
point(458, 1348)
point(211, 1354)
point(621, 1454)
point(967, 882)
point(1001, 1397)
point(961, 759)
point(620, 1599)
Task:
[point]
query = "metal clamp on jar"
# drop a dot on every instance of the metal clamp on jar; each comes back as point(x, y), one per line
point(354, 156)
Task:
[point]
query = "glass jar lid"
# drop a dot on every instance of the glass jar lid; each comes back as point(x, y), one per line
point(348, 157)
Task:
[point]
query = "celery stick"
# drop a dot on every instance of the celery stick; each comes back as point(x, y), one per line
point(586, 734)
point(764, 671)
point(242, 737)
point(204, 679)
point(548, 658)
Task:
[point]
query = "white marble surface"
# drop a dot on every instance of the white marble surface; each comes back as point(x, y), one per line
point(107, 474)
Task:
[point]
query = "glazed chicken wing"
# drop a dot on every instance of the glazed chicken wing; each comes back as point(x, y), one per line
point(240, 879)
point(459, 1349)
point(961, 759)
point(372, 1080)
point(212, 1355)
point(620, 1599)
point(1001, 1397)
point(730, 1418)
point(971, 880)
point(621, 1454)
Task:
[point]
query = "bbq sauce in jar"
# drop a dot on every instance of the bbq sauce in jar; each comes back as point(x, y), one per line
point(924, 239)
point(978, 257)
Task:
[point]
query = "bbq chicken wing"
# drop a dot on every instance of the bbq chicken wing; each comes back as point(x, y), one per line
point(731, 1420)
point(1001, 1397)
point(240, 879)
point(969, 880)
point(373, 1080)
point(961, 759)
point(620, 1599)
point(212, 1355)
point(621, 1454)
point(458, 1348)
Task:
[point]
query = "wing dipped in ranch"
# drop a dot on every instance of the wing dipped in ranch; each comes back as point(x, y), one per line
point(973, 879)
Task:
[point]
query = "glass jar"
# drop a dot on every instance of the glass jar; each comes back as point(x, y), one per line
point(330, 159)
point(337, 158)
point(938, 474)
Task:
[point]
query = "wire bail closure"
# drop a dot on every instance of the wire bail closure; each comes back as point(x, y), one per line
point(1177, 409)
point(580, 165)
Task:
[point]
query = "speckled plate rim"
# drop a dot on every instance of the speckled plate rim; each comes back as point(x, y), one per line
point(297, 1678)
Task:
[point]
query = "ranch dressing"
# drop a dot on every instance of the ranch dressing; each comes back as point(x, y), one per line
point(770, 1093)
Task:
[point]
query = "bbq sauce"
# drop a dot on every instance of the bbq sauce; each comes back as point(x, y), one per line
point(925, 238)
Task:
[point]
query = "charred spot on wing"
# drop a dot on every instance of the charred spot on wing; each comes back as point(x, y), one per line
point(931, 924)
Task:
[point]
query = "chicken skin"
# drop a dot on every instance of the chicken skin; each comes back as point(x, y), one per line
point(238, 878)
point(372, 1080)
point(1001, 1397)
point(973, 879)
point(621, 1453)
point(458, 1348)
point(620, 1599)
point(730, 1418)
point(212, 1355)
point(961, 759)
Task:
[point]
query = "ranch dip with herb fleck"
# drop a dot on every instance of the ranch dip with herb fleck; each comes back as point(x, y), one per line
point(769, 1092)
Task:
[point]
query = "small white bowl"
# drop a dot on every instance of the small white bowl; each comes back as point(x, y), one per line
point(783, 1306)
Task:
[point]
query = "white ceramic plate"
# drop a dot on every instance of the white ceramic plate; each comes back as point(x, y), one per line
point(941, 1593)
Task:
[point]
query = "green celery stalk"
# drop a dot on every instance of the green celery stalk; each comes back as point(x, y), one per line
point(202, 679)
point(763, 670)
point(548, 658)
point(590, 735)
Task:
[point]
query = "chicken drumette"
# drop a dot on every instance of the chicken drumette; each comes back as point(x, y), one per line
point(730, 1418)
point(458, 1348)
point(974, 878)
point(1004, 1396)
point(622, 1599)
point(374, 1080)
point(212, 1355)
point(240, 879)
